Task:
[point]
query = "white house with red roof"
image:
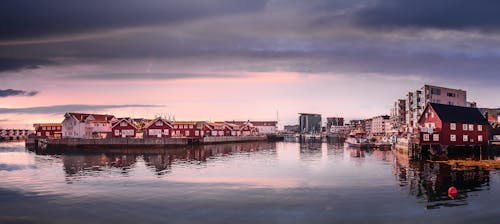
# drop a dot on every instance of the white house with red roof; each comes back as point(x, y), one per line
point(83, 125)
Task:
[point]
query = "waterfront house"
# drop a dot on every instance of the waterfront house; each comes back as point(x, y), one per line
point(158, 128)
point(83, 125)
point(263, 127)
point(48, 130)
point(124, 128)
point(449, 125)
point(192, 129)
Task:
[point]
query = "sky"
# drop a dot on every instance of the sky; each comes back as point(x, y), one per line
point(240, 60)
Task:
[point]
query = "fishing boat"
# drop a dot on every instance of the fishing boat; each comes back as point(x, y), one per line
point(357, 139)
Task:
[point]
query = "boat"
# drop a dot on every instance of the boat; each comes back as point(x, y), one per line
point(357, 139)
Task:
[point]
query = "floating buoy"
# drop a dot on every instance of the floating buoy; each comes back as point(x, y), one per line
point(452, 192)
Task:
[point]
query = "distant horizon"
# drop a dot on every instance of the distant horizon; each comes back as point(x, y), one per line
point(221, 59)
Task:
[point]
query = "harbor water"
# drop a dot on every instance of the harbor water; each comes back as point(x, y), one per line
point(255, 182)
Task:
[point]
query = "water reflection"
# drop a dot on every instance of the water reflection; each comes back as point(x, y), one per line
point(158, 160)
point(429, 181)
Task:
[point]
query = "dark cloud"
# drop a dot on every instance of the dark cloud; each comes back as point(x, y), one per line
point(14, 92)
point(26, 19)
point(143, 76)
point(442, 14)
point(61, 109)
point(14, 64)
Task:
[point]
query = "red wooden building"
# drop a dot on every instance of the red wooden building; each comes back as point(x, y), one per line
point(48, 130)
point(124, 128)
point(191, 129)
point(449, 125)
point(158, 128)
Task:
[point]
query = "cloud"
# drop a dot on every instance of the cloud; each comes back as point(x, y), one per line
point(144, 76)
point(61, 109)
point(444, 14)
point(14, 92)
point(13, 64)
point(22, 19)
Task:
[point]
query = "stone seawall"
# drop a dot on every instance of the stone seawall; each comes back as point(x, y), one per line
point(225, 139)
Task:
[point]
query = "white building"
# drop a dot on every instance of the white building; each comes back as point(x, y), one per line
point(81, 125)
point(380, 125)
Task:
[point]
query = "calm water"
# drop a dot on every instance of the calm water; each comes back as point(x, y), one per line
point(240, 183)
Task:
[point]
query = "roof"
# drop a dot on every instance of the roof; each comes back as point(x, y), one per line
point(255, 123)
point(457, 114)
point(98, 117)
point(47, 124)
point(155, 120)
point(185, 122)
point(126, 119)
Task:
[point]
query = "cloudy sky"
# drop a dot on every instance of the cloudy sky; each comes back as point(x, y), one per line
point(233, 59)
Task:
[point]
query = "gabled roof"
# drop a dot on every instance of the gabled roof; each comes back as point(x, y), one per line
point(457, 114)
point(158, 119)
point(81, 117)
point(128, 120)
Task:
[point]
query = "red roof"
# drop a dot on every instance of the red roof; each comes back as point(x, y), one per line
point(98, 117)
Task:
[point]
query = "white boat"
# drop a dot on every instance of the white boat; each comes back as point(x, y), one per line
point(357, 139)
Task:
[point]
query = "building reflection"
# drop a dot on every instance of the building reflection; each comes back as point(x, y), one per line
point(159, 161)
point(429, 181)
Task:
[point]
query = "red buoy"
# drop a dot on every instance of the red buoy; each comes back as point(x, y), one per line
point(452, 192)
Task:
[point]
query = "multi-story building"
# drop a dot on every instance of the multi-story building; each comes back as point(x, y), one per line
point(334, 121)
point(357, 124)
point(309, 123)
point(368, 125)
point(398, 115)
point(380, 125)
point(416, 101)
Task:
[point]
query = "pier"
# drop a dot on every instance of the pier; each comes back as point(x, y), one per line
point(117, 143)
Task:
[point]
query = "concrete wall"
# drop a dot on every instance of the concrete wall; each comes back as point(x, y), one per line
point(118, 141)
point(220, 139)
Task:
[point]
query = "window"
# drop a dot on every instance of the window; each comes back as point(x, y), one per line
point(479, 138)
point(471, 127)
point(128, 132)
point(39, 134)
point(185, 126)
point(159, 123)
point(432, 114)
point(214, 133)
point(59, 128)
point(451, 94)
point(44, 128)
point(426, 115)
point(479, 127)
point(47, 133)
point(450, 103)
point(123, 124)
point(191, 126)
point(453, 126)
point(466, 138)
point(426, 137)
point(435, 91)
point(165, 131)
point(176, 127)
point(453, 138)
point(196, 133)
point(117, 132)
point(186, 133)
point(154, 132)
point(464, 127)
point(435, 137)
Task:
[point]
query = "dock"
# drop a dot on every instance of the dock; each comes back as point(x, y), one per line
point(117, 143)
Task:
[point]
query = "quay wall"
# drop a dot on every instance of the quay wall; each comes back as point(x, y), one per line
point(225, 139)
